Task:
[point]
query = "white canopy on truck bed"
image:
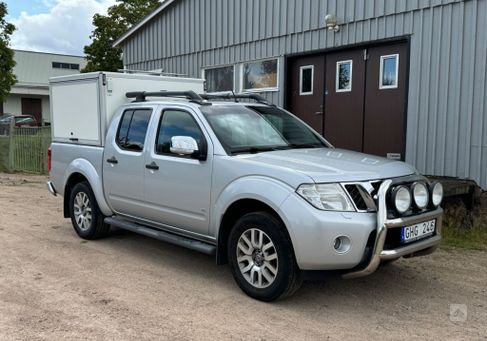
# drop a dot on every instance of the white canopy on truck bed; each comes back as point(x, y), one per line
point(82, 105)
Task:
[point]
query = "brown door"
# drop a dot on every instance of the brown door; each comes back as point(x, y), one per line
point(385, 101)
point(306, 90)
point(32, 106)
point(344, 102)
point(363, 92)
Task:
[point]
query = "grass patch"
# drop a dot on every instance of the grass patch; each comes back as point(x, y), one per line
point(471, 239)
point(465, 229)
point(4, 150)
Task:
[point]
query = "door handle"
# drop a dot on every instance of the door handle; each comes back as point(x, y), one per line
point(318, 113)
point(152, 166)
point(113, 160)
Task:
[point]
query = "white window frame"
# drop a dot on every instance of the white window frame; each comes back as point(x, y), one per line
point(337, 73)
point(276, 88)
point(382, 58)
point(204, 68)
point(301, 69)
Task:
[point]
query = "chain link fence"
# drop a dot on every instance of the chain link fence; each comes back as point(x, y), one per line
point(24, 149)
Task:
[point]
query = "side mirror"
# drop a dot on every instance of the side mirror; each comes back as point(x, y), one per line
point(186, 145)
point(183, 145)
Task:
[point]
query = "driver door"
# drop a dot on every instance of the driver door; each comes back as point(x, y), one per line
point(177, 187)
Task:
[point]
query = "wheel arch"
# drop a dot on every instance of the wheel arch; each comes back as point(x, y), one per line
point(82, 170)
point(73, 180)
point(236, 210)
point(241, 196)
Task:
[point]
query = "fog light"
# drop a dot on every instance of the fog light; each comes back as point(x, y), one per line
point(420, 195)
point(437, 194)
point(401, 197)
point(342, 244)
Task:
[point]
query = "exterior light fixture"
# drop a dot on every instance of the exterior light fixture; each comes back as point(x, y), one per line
point(331, 22)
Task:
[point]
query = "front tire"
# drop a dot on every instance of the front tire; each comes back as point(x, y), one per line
point(261, 257)
point(86, 216)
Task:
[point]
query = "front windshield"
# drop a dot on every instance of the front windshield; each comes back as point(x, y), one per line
point(251, 129)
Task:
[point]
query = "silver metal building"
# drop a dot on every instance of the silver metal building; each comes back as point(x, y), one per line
point(403, 79)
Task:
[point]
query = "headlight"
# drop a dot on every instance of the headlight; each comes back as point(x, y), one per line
point(330, 197)
point(420, 195)
point(401, 197)
point(437, 194)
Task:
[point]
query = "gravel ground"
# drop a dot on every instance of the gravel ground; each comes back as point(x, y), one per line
point(54, 286)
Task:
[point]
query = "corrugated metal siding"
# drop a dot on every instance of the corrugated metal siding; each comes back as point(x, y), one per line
point(446, 126)
point(190, 26)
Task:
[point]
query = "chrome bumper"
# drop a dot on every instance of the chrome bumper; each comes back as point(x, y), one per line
point(51, 188)
point(419, 248)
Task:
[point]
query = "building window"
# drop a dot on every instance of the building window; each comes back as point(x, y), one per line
point(67, 66)
point(260, 76)
point(219, 79)
point(306, 74)
point(389, 71)
point(343, 81)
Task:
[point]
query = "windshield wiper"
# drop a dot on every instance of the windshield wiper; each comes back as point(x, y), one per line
point(255, 150)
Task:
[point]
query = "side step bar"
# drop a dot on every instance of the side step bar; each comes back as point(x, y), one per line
point(163, 236)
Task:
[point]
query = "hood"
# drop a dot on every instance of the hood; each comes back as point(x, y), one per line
point(333, 165)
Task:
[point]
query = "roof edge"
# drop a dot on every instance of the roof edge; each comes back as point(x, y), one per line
point(50, 53)
point(144, 21)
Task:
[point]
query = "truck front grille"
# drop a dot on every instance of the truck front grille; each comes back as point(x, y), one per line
point(362, 195)
point(356, 197)
point(393, 239)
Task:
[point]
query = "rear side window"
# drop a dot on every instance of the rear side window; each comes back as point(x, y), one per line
point(132, 129)
point(24, 120)
point(176, 123)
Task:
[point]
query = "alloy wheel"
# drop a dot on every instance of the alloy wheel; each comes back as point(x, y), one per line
point(82, 211)
point(257, 258)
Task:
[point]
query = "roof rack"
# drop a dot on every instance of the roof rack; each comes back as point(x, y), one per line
point(236, 97)
point(140, 96)
point(152, 73)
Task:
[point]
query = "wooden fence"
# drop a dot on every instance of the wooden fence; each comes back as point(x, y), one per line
point(24, 149)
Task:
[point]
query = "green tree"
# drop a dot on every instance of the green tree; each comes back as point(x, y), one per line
point(124, 14)
point(7, 63)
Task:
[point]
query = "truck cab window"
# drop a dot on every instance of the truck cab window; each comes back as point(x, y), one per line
point(133, 128)
point(176, 123)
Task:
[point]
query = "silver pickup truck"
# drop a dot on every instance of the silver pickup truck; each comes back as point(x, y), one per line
point(249, 183)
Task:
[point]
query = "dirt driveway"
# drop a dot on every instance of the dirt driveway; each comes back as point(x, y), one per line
point(54, 286)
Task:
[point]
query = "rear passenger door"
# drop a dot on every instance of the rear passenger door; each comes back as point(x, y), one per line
point(177, 187)
point(123, 162)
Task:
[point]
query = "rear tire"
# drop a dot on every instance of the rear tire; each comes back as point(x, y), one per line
point(261, 257)
point(86, 216)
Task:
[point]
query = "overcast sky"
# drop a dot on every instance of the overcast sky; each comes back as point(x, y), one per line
point(58, 26)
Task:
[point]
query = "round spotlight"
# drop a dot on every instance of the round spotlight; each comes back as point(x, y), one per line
point(436, 193)
point(420, 195)
point(401, 197)
point(342, 244)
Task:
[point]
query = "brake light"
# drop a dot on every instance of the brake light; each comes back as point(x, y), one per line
point(49, 159)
